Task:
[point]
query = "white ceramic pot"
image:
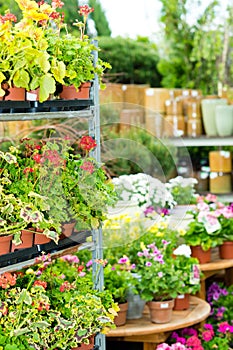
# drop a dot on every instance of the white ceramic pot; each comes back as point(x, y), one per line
point(208, 107)
point(224, 120)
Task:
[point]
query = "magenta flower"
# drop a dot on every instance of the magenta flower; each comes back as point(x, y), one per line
point(224, 327)
point(123, 260)
point(207, 335)
point(148, 264)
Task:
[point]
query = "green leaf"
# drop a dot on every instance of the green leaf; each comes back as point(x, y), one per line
point(47, 87)
point(21, 79)
point(24, 297)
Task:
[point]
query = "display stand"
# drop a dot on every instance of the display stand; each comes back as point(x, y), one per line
point(151, 334)
point(59, 109)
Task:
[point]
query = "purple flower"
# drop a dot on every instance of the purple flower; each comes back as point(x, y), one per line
point(149, 210)
point(70, 258)
point(148, 264)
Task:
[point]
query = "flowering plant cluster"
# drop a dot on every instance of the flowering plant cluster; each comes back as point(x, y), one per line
point(189, 268)
point(211, 224)
point(145, 190)
point(118, 278)
point(155, 266)
point(36, 53)
point(216, 333)
point(44, 184)
point(182, 189)
point(52, 305)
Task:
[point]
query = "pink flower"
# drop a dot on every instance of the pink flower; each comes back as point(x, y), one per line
point(123, 260)
point(148, 264)
point(211, 197)
point(207, 335)
point(160, 274)
point(224, 327)
point(88, 166)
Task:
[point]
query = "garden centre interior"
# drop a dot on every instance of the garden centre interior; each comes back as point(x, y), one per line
point(116, 210)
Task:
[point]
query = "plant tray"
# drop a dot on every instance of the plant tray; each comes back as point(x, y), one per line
point(47, 106)
point(23, 255)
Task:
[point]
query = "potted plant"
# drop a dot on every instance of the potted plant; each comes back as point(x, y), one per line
point(118, 280)
point(144, 191)
point(52, 305)
point(36, 54)
point(184, 194)
point(158, 283)
point(190, 276)
point(203, 232)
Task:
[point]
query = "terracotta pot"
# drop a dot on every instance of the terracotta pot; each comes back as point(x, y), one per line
point(27, 238)
point(70, 92)
point(39, 238)
point(16, 94)
point(161, 311)
point(67, 229)
point(120, 320)
point(89, 346)
point(181, 302)
point(5, 244)
point(203, 256)
point(226, 250)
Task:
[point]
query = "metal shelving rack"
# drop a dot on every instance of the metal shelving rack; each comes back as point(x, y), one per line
point(88, 109)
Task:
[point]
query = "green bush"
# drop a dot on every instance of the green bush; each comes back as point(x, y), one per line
point(132, 61)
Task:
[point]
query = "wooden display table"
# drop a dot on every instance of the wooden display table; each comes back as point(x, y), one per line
point(151, 334)
point(213, 267)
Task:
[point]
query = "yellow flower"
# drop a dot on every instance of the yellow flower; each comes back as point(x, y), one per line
point(142, 246)
point(160, 234)
point(30, 272)
point(181, 231)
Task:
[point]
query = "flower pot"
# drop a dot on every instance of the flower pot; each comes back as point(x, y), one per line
point(89, 346)
point(16, 94)
point(40, 238)
point(226, 250)
point(135, 306)
point(120, 320)
point(224, 120)
point(181, 302)
point(67, 229)
point(208, 107)
point(203, 256)
point(5, 244)
point(70, 92)
point(27, 237)
point(161, 311)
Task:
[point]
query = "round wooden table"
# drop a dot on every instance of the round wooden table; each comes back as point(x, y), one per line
point(213, 267)
point(151, 334)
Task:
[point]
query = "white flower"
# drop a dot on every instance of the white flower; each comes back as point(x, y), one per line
point(183, 249)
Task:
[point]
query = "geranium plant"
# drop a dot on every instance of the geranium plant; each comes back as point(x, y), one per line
point(36, 53)
point(53, 185)
point(118, 279)
point(206, 229)
point(189, 268)
point(52, 306)
point(156, 266)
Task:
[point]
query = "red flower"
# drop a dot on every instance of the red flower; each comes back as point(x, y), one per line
point(40, 283)
point(85, 10)
point(7, 280)
point(37, 158)
point(87, 143)
point(28, 170)
point(80, 268)
point(8, 17)
point(88, 166)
